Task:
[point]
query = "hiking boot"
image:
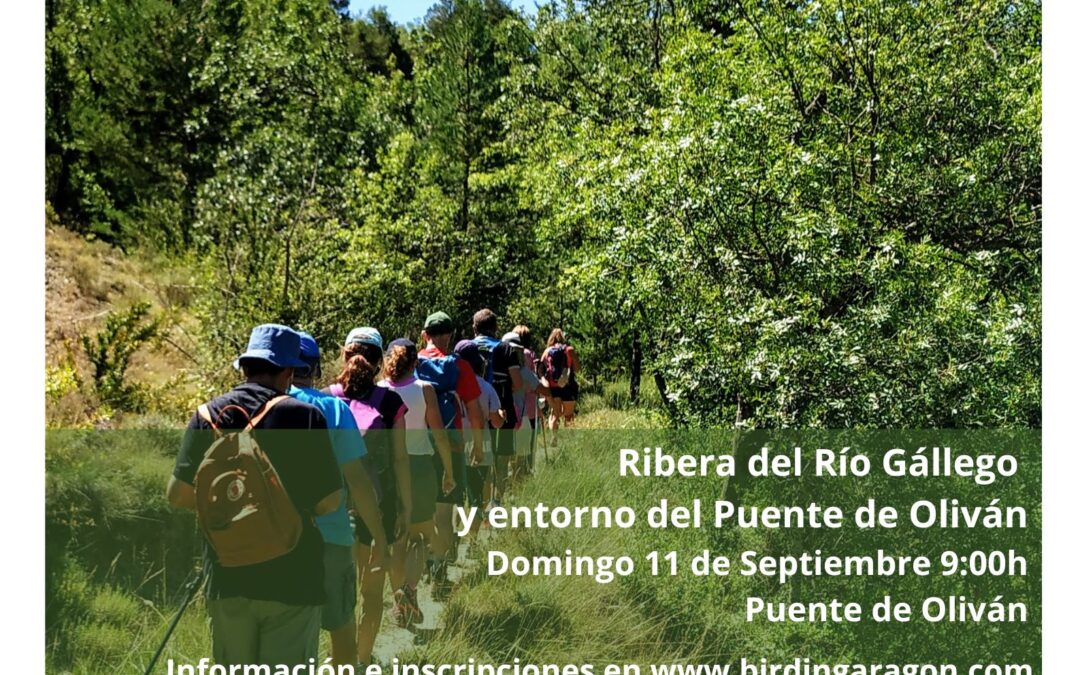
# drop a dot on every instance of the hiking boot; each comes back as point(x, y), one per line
point(412, 605)
point(400, 612)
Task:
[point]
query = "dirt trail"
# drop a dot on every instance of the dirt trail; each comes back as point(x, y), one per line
point(393, 641)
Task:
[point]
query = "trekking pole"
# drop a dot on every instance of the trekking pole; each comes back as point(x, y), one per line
point(543, 430)
point(192, 588)
point(533, 433)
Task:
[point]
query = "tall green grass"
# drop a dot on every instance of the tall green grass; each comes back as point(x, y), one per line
point(645, 619)
point(117, 558)
point(563, 619)
point(116, 554)
point(614, 396)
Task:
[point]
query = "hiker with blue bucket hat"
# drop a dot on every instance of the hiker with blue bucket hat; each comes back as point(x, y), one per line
point(257, 466)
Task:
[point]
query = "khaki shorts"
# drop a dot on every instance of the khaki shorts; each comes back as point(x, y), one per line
point(263, 632)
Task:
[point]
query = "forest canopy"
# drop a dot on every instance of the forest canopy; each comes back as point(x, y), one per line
point(786, 213)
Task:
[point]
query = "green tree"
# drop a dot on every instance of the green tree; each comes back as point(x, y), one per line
point(808, 236)
point(379, 45)
point(117, 96)
point(459, 83)
point(788, 213)
point(293, 123)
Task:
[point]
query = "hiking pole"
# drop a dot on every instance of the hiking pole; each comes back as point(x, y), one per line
point(543, 430)
point(192, 589)
point(531, 459)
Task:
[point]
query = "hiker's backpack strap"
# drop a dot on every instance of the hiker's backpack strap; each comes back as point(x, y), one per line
point(455, 400)
point(265, 409)
point(204, 413)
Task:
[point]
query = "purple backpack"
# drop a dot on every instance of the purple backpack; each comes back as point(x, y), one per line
point(369, 418)
point(366, 413)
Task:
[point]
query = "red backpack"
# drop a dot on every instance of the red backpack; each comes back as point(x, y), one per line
point(240, 503)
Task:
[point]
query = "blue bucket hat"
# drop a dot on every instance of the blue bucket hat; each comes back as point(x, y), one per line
point(277, 344)
point(310, 355)
point(309, 349)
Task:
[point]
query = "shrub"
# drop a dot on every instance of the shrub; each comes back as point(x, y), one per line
point(110, 352)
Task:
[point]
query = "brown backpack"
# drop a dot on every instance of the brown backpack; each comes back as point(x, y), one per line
point(240, 503)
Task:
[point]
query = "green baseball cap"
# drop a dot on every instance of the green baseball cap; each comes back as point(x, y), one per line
point(438, 323)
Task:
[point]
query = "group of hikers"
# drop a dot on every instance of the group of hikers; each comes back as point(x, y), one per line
point(306, 496)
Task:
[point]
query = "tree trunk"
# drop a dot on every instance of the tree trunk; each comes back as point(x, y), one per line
point(661, 386)
point(288, 265)
point(467, 141)
point(635, 368)
point(742, 452)
point(465, 195)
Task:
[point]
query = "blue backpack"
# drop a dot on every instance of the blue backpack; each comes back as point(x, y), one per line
point(487, 346)
point(442, 373)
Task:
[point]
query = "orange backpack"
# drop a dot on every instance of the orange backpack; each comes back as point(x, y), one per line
point(240, 503)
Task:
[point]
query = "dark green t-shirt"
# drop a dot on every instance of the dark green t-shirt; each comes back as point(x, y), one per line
point(293, 435)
